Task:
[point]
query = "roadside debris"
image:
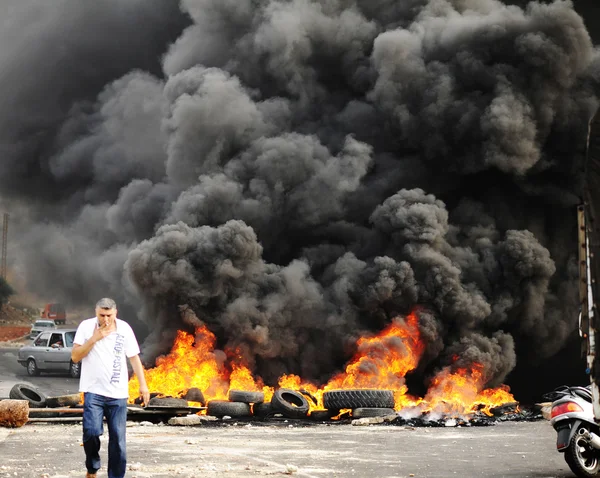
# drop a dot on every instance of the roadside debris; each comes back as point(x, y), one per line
point(190, 420)
point(13, 413)
point(374, 420)
point(358, 407)
point(545, 409)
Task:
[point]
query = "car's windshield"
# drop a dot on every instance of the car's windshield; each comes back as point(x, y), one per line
point(43, 324)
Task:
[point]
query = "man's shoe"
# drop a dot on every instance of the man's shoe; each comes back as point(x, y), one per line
point(90, 475)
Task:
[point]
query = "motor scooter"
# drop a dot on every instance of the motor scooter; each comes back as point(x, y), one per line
point(578, 435)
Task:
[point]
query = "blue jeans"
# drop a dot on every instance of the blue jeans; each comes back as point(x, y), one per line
point(95, 407)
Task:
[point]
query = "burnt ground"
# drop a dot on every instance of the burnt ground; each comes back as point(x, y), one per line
point(509, 449)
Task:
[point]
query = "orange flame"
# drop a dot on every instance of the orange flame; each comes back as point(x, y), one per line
point(461, 393)
point(380, 362)
point(192, 362)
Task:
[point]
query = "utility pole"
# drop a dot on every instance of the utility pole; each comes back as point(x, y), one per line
point(4, 241)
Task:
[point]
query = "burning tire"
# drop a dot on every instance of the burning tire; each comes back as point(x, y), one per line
point(289, 403)
point(339, 399)
point(222, 408)
point(246, 397)
point(195, 395)
point(372, 412)
point(168, 402)
point(63, 401)
point(307, 394)
point(22, 391)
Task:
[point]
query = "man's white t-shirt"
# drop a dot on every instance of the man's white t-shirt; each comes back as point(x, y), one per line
point(104, 369)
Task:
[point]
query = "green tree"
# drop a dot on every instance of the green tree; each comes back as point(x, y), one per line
point(5, 291)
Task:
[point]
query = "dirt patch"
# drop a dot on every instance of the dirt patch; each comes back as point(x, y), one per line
point(10, 315)
point(15, 324)
point(11, 332)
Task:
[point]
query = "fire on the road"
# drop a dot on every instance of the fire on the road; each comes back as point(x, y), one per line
point(381, 362)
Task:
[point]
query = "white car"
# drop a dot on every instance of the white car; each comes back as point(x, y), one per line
point(39, 326)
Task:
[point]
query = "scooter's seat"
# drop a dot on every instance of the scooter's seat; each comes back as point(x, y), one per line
point(583, 392)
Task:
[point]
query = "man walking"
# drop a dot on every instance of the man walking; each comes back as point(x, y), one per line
point(102, 344)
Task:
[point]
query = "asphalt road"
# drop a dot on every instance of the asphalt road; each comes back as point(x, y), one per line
point(12, 372)
point(280, 448)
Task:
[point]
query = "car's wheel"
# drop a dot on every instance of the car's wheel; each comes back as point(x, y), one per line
point(32, 368)
point(75, 369)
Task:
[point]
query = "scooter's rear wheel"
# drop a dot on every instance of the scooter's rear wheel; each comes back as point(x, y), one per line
point(583, 460)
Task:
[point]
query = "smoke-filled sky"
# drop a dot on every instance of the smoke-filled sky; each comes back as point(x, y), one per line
point(300, 172)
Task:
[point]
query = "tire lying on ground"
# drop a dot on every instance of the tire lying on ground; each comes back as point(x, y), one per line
point(289, 403)
point(323, 415)
point(222, 408)
point(63, 401)
point(168, 402)
point(358, 398)
point(246, 397)
point(262, 410)
point(22, 391)
point(372, 412)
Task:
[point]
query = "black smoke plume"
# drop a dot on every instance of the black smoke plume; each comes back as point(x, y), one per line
point(297, 173)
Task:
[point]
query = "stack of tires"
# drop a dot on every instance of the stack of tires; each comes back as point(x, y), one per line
point(239, 405)
point(293, 404)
